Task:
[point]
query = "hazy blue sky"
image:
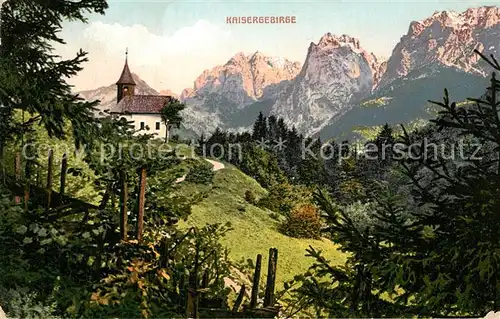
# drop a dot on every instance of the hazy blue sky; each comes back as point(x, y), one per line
point(172, 42)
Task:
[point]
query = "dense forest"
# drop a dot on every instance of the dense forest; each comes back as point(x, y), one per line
point(92, 235)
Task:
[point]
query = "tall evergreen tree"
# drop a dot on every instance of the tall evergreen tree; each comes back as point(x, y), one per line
point(294, 148)
point(260, 128)
point(272, 129)
point(435, 250)
point(32, 78)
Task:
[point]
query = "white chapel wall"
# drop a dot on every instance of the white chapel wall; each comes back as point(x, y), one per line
point(150, 121)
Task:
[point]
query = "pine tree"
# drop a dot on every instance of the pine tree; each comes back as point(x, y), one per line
point(32, 78)
point(294, 148)
point(272, 128)
point(379, 158)
point(435, 250)
point(311, 168)
point(260, 128)
point(282, 129)
point(456, 270)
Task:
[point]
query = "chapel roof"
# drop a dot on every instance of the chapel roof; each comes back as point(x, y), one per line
point(141, 104)
point(126, 77)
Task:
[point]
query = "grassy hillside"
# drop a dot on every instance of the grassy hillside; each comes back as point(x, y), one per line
point(254, 230)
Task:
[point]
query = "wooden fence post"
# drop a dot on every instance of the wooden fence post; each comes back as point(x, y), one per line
point(64, 170)
point(142, 198)
point(271, 278)
point(17, 170)
point(183, 291)
point(49, 177)
point(256, 281)
point(239, 300)
point(123, 205)
point(193, 293)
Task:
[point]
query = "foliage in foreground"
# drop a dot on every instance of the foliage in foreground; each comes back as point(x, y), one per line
point(78, 270)
point(429, 243)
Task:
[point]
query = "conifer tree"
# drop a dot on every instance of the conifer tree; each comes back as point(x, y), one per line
point(32, 78)
point(455, 271)
point(260, 128)
point(272, 128)
point(435, 250)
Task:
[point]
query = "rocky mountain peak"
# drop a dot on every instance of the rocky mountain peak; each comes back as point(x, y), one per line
point(169, 92)
point(249, 73)
point(480, 17)
point(337, 72)
point(107, 94)
point(330, 40)
point(446, 38)
point(238, 59)
point(229, 88)
point(257, 55)
point(329, 43)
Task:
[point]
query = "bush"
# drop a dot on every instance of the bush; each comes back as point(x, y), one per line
point(352, 190)
point(21, 303)
point(282, 198)
point(201, 174)
point(303, 222)
point(250, 197)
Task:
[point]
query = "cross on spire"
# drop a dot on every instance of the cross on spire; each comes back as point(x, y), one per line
point(126, 53)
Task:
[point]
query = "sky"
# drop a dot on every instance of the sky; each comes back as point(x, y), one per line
point(171, 43)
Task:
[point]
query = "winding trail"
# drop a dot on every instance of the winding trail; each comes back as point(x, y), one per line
point(217, 166)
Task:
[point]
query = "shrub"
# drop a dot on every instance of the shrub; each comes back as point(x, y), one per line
point(250, 197)
point(303, 222)
point(20, 303)
point(282, 198)
point(352, 190)
point(201, 174)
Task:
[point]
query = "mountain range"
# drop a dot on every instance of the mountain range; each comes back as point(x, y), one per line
point(341, 85)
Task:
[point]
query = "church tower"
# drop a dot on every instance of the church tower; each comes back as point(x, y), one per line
point(126, 84)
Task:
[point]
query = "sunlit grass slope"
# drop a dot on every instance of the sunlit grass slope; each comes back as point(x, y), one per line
point(254, 230)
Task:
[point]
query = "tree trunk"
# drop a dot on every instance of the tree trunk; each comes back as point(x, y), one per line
point(123, 205)
point(27, 181)
point(142, 198)
point(64, 170)
point(49, 178)
point(167, 129)
point(2, 158)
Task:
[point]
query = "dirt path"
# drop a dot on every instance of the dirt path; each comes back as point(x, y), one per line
point(217, 166)
point(2, 314)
